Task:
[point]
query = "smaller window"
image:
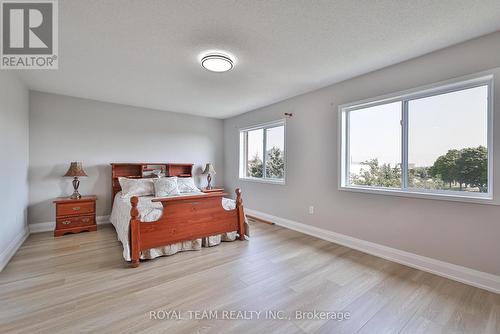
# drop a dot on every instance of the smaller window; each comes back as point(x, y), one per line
point(262, 152)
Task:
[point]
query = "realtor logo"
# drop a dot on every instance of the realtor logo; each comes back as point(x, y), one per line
point(29, 34)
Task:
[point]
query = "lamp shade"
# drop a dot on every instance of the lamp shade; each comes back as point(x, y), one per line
point(209, 169)
point(75, 169)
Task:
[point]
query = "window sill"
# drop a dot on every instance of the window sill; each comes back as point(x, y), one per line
point(479, 198)
point(260, 180)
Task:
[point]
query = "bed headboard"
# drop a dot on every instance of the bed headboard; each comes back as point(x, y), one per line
point(144, 169)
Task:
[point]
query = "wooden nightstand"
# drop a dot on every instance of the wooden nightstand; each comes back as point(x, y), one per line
point(75, 215)
point(213, 190)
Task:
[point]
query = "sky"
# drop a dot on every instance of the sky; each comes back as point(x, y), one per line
point(435, 125)
point(275, 137)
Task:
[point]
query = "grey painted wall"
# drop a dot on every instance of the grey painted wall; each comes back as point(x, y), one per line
point(14, 110)
point(65, 129)
point(462, 233)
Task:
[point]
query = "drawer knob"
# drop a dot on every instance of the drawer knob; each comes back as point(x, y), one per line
point(85, 220)
point(66, 222)
point(76, 208)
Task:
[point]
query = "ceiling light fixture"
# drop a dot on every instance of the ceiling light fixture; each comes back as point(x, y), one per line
point(217, 62)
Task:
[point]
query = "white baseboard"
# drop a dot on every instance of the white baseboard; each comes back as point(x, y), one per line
point(50, 226)
point(12, 248)
point(455, 272)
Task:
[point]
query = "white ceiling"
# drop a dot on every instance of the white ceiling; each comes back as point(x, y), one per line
point(145, 52)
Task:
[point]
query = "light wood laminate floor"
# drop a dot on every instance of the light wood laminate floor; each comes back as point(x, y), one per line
point(80, 283)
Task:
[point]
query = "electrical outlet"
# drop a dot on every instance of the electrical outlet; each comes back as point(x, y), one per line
point(311, 210)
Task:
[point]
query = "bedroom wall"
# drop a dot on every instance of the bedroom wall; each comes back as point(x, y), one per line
point(65, 129)
point(461, 233)
point(14, 110)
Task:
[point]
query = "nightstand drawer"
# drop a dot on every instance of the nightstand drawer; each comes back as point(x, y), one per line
point(71, 209)
point(63, 223)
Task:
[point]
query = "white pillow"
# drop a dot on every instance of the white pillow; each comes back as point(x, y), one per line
point(186, 185)
point(136, 187)
point(166, 186)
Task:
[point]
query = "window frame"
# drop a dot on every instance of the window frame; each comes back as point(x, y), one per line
point(243, 144)
point(404, 97)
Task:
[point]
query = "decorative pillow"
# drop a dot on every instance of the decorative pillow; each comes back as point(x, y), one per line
point(136, 187)
point(186, 185)
point(166, 186)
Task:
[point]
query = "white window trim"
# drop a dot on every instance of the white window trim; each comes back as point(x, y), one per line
point(403, 96)
point(243, 153)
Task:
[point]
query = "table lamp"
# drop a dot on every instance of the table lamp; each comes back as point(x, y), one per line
point(75, 170)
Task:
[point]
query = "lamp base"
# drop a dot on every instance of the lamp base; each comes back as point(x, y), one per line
point(76, 195)
point(209, 180)
point(76, 184)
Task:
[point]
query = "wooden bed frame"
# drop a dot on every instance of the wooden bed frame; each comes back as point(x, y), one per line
point(184, 218)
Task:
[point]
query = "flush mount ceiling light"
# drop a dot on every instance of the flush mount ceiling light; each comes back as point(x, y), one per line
point(217, 62)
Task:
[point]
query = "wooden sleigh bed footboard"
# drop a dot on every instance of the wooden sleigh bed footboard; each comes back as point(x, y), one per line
point(183, 219)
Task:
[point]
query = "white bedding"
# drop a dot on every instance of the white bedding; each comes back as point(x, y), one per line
point(152, 211)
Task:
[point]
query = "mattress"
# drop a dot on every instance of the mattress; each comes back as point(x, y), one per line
point(152, 211)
